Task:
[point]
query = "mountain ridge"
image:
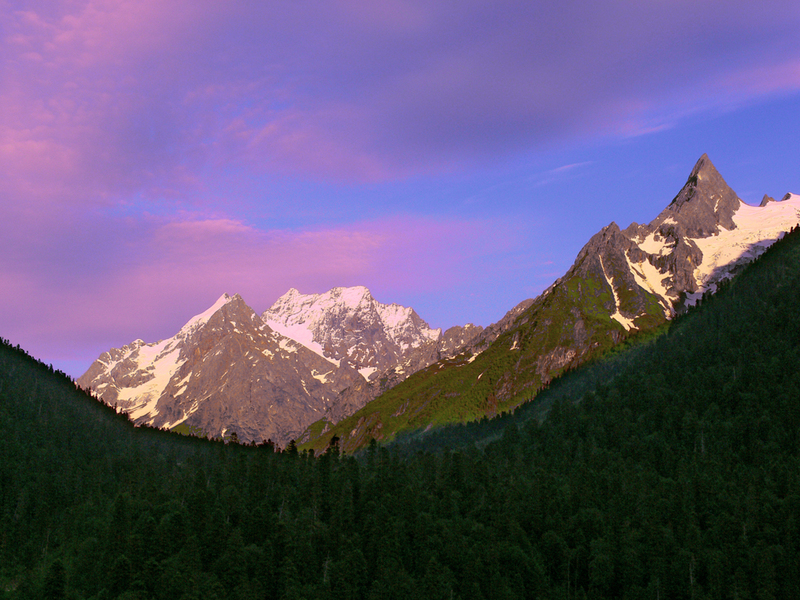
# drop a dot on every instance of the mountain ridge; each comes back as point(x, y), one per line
point(336, 323)
point(229, 370)
point(323, 359)
point(622, 282)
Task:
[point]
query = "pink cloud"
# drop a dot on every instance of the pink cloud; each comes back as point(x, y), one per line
point(129, 97)
point(764, 79)
point(170, 269)
point(211, 256)
point(82, 112)
point(145, 109)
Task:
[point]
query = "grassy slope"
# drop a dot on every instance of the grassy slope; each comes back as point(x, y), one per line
point(560, 330)
point(718, 345)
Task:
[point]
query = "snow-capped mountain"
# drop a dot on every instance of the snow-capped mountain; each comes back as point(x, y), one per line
point(225, 371)
point(347, 325)
point(622, 281)
point(386, 343)
point(702, 237)
point(228, 370)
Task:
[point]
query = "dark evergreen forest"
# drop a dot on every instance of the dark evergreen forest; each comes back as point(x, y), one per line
point(669, 470)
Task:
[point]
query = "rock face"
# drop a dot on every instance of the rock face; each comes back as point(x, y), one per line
point(229, 370)
point(622, 281)
point(705, 204)
point(348, 326)
point(386, 343)
point(225, 371)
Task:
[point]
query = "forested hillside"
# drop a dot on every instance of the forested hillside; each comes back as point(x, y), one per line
point(676, 476)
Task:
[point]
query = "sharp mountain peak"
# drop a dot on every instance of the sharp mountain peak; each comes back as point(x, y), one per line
point(705, 202)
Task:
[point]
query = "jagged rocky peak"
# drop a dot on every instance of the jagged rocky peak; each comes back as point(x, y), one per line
point(353, 307)
point(703, 236)
point(347, 325)
point(766, 200)
point(224, 371)
point(226, 314)
point(603, 251)
point(705, 202)
point(230, 303)
point(293, 302)
point(294, 308)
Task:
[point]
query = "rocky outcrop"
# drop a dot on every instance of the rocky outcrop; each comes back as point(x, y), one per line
point(224, 372)
point(622, 281)
point(348, 326)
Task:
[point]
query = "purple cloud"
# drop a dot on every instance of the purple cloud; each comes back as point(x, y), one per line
point(138, 93)
point(143, 279)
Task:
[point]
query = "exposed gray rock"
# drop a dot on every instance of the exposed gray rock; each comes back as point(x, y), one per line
point(454, 341)
point(349, 326)
point(223, 373)
point(705, 203)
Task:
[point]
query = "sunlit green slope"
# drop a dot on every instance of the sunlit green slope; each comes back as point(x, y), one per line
point(564, 327)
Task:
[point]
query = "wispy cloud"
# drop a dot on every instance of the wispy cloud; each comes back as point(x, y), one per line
point(128, 95)
point(142, 282)
point(558, 173)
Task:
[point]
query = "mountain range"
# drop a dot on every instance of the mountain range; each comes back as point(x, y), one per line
point(341, 364)
point(622, 282)
point(668, 468)
point(230, 371)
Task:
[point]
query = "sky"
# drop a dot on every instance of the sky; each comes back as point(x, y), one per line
point(452, 157)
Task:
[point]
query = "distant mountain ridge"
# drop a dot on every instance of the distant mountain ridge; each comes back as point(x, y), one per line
point(229, 370)
point(348, 325)
point(621, 282)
